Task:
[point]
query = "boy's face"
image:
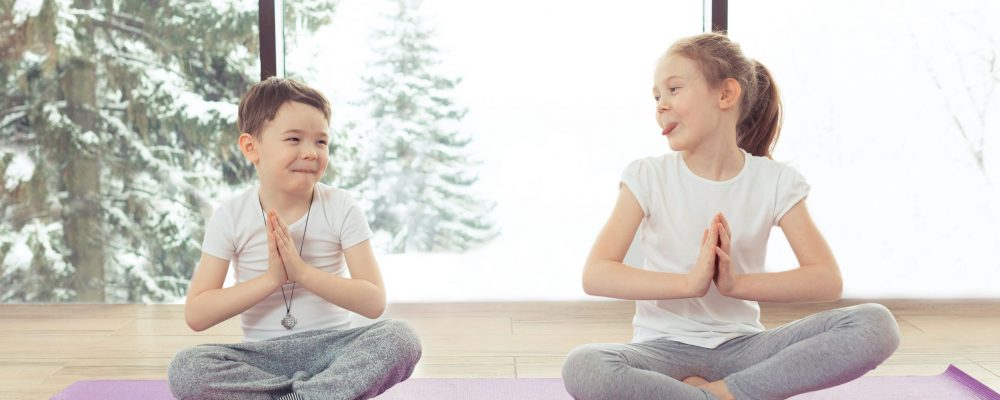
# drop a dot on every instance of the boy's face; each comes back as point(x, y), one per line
point(292, 152)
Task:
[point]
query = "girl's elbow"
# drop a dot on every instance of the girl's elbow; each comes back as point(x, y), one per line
point(588, 286)
point(835, 289)
point(590, 282)
point(594, 287)
point(838, 290)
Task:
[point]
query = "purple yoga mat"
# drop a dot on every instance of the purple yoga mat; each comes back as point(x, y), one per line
point(478, 389)
point(953, 384)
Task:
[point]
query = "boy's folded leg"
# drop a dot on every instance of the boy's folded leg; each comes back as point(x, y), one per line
point(354, 363)
point(362, 362)
point(219, 372)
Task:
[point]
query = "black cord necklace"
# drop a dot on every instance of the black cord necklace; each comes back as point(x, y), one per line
point(289, 321)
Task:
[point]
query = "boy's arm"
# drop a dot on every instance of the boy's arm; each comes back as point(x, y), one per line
point(208, 303)
point(817, 278)
point(363, 293)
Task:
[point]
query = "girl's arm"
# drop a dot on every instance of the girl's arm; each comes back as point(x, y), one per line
point(817, 279)
point(208, 303)
point(605, 275)
point(363, 292)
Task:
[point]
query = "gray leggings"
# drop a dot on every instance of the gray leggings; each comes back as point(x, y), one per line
point(356, 363)
point(816, 352)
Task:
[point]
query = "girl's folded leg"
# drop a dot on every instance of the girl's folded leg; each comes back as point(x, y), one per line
point(820, 351)
point(648, 370)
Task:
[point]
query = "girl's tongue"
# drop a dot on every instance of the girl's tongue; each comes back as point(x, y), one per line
point(670, 128)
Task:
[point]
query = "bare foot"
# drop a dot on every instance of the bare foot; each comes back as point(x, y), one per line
point(719, 389)
point(695, 380)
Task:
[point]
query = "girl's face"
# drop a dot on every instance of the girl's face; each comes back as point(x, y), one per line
point(293, 151)
point(686, 107)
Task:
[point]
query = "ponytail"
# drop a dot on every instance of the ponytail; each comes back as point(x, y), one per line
point(758, 131)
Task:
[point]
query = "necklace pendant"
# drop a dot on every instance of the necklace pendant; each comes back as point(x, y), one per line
point(289, 321)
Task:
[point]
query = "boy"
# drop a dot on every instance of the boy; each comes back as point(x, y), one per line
point(290, 290)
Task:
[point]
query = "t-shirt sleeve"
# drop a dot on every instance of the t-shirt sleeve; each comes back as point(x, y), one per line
point(792, 188)
point(632, 177)
point(218, 240)
point(354, 228)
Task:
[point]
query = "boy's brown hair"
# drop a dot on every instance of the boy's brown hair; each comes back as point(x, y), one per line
point(263, 100)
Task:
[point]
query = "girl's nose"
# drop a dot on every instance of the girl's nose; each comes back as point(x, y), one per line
point(662, 105)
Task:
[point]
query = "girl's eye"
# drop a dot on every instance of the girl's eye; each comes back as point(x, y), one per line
point(674, 89)
point(322, 142)
point(657, 98)
point(290, 139)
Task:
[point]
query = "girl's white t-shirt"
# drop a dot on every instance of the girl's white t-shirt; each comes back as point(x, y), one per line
point(236, 232)
point(677, 206)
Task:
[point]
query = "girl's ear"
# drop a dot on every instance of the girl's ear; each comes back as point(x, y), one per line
point(248, 145)
point(729, 96)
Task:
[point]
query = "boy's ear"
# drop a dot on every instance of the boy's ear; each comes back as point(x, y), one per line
point(248, 145)
point(729, 96)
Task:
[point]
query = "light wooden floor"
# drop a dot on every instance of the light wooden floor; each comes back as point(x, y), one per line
point(44, 348)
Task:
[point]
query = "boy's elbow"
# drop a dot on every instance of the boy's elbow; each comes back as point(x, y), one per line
point(374, 313)
point(377, 307)
point(191, 318)
point(194, 324)
point(376, 310)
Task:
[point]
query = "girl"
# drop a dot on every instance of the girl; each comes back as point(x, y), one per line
point(705, 213)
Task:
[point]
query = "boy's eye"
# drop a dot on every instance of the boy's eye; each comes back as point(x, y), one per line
point(657, 98)
point(674, 89)
point(322, 142)
point(295, 139)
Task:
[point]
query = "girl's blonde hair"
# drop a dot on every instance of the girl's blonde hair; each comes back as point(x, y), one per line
point(719, 58)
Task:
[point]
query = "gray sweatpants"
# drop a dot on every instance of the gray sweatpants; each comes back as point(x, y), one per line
point(816, 352)
point(357, 363)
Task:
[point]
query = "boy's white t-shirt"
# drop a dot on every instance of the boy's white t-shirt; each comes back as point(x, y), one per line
point(236, 232)
point(677, 206)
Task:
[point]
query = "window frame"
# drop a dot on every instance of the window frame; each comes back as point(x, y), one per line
point(716, 14)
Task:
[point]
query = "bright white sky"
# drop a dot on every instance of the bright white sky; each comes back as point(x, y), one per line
point(559, 102)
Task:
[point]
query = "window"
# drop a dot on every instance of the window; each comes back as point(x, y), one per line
point(117, 126)
point(516, 116)
point(891, 112)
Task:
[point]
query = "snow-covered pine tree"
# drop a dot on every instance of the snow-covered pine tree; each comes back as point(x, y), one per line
point(418, 188)
point(117, 127)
